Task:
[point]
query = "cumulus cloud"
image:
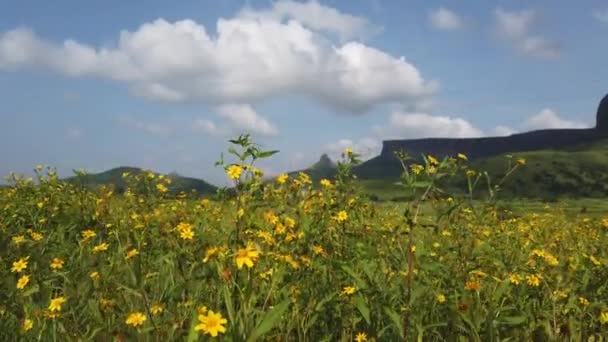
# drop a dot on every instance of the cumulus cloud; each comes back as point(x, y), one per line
point(244, 117)
point(600, 15)
point(182, 62)
point(445, 19)
point(317, 17)
point(549, 119)
point(404, 125)
point(516, 26)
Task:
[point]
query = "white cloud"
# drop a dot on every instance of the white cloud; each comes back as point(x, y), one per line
point(421, 125)
point(153, 128)
point(248, 58)
point(244, 117)
point(515, 26)
point(317, 17)
point(503, 131)
point(444, 19)
point(601, 15)
point(366, 147)
point(205, 126)
point(549, 119)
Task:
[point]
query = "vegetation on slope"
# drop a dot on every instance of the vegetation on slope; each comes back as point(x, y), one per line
point(115, 178)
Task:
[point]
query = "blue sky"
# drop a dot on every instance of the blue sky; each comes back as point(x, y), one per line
point(163, 85)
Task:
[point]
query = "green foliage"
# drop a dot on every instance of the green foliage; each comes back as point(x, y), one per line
point(288, 259)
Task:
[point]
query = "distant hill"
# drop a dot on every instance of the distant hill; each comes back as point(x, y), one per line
point(114, 177)
point(324, 168)
point(575, 171)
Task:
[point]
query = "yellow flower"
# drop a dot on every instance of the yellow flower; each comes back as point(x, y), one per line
point(416, 168)
point(209, 253)
point(282, 178)
point(521, 161)
point(342, 216)
point(289, 222)
point(318, 250)
point(533, 280)
point(246, 256)
point(156, 309)
point(131, 253)
point(361, 337)
point(17, 239)
point(234, 171)
point(515, 279)
point(94, 275)
point(462, 156)
point(27, 324)
point(88, 234)
point(36, 236)
point(594, 260)
point(349, 290)
point(186, 234)
point(57, 264)
point(185, 231)
point(583, 301)
point(604, 318)
point(348, 151)
point(212, 323)
point(440, 299)
point(432, 160)
point(325, 183)
point(135, 319)
point(56, 303)
point(22, 282)
point(20, 265)
point(471, 173)
point(100, 248)
point(161, 188)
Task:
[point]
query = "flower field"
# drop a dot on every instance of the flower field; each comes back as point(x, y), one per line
point(289, 260)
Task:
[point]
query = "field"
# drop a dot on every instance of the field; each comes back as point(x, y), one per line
point(293, 260)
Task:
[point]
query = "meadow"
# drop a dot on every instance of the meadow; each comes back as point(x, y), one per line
point(290, 260)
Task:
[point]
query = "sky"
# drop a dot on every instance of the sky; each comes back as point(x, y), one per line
point(163, 85)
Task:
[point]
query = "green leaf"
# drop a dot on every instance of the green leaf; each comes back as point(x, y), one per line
point(421, 184)
point(228, 302)
point(500, 291)
point(396, 319)
point(513, 320)
point(193, 334)
point(363, 308)
point(265, 154)
point(271, 318)
point(358, 280)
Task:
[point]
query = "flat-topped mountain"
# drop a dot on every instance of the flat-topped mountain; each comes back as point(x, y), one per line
point(490, 146)
point(386, 165)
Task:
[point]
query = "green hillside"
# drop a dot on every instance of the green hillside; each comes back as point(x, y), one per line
point(114, 177)
point(324, 168)
point(575, 172)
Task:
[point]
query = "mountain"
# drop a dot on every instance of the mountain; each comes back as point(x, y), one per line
point(114, 177)
point(579, 171)
point(324, 168)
